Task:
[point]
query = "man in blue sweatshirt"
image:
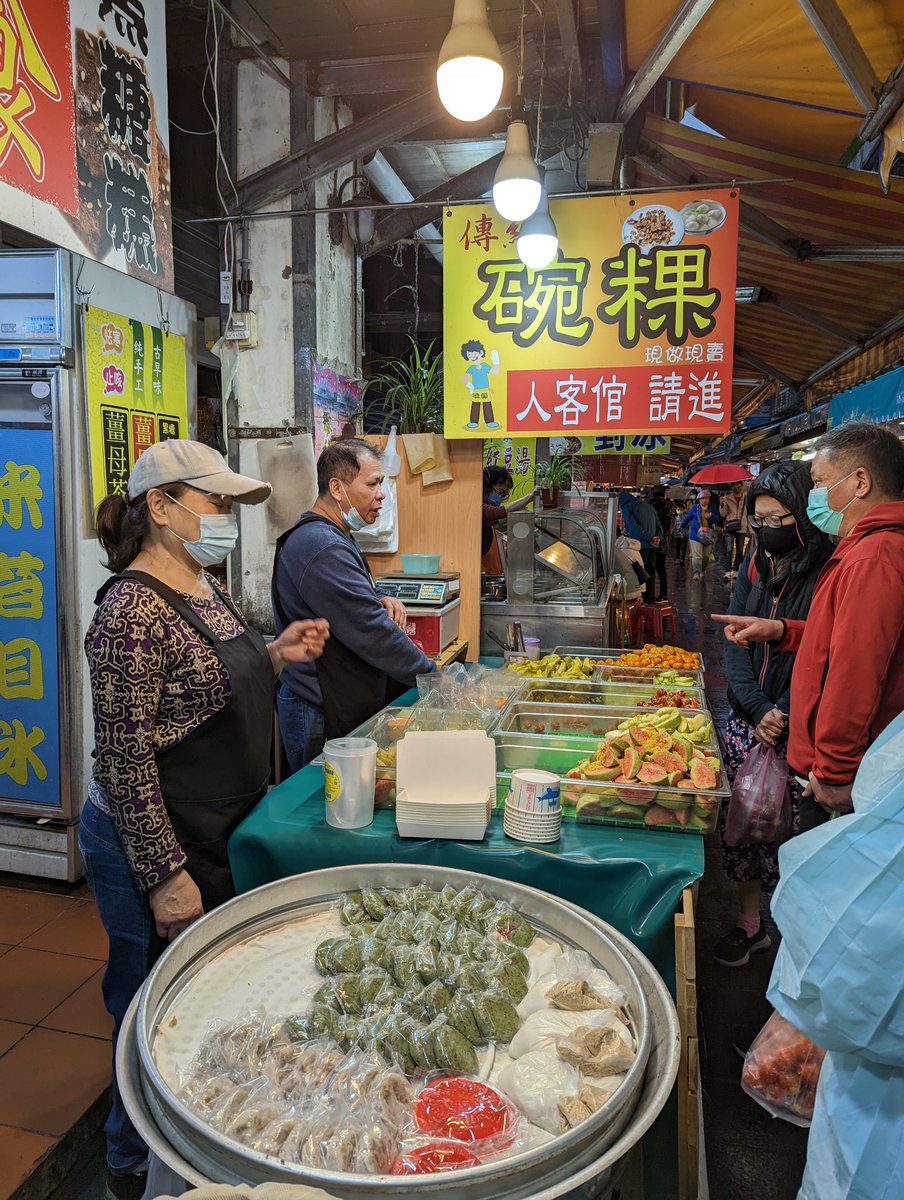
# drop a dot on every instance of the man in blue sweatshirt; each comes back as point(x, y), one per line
point(320, 570)
point(642, 523)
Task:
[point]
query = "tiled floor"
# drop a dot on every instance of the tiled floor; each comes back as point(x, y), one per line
point(54, 1031)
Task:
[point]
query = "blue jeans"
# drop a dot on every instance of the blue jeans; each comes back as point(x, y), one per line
point(300, 727)
point(126, 916)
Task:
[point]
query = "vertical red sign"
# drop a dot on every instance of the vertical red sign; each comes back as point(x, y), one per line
point(37, 110)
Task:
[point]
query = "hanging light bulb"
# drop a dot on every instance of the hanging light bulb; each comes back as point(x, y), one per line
point(538, 241)
point(469, 72)
point(517, 187)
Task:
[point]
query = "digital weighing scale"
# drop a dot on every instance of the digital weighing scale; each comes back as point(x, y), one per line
point(424, 591)
point(433, 603)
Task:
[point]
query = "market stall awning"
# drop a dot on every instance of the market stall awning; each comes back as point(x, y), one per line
point(881, 399)
point(813, 308)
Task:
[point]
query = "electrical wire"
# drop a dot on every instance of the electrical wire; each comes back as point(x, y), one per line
point(193, 132)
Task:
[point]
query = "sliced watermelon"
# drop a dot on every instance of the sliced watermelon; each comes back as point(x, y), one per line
point(703, 775)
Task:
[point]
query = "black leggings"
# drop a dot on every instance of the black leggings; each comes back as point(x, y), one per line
point(661, 574)
point(739, 540)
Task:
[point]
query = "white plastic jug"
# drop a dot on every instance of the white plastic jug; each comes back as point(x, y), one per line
point(349, 779)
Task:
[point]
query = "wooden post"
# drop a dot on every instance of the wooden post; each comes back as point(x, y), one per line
point(444, 519)
point(688, 1068)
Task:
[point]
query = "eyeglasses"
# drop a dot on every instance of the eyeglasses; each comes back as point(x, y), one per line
point(756, 522)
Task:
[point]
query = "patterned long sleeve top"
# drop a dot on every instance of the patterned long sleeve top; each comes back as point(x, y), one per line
point(154, 679)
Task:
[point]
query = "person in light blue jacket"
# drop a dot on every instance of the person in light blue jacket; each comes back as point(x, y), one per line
point(839, 978)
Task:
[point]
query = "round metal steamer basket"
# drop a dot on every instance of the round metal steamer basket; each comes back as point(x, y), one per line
point(201, 1154)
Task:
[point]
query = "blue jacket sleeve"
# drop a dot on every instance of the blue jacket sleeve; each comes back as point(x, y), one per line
point(739, 662)
point(335, 586)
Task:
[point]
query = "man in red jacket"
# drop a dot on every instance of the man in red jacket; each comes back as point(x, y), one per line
point(848, 680)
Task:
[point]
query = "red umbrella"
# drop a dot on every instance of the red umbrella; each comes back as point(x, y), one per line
point(724, 473)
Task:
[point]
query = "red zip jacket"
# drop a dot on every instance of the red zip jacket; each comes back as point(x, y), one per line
point(848, 680)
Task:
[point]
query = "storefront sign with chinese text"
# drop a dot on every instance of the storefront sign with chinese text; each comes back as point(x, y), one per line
point(84, 132)
point(613, 443)
point(518, 455)
point(629, 330)
point(136, 389)
point(29, 673)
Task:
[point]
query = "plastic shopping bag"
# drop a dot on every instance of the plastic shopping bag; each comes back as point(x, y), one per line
point(760, 807)
point(781, 1071)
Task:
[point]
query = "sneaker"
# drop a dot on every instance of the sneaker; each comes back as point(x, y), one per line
point(125, 1187)
point(662, 600)
point(727, 576)
point(734, 574)
point(735, 949)
point(697, 577)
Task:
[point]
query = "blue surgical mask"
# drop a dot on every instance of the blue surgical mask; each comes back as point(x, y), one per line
point(821, 513)
point(352, 519)
point(494, 498)
point(218, 536)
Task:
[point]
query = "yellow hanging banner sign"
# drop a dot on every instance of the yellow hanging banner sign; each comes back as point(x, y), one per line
point(136, 392)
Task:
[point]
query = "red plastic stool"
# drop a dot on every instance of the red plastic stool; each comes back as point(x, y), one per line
point(654, 617)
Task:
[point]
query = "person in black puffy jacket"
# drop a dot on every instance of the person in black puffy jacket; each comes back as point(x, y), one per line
point(776, 579)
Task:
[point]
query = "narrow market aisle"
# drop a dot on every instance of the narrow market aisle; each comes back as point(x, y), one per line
point(54, 1032)
point(749, 1155)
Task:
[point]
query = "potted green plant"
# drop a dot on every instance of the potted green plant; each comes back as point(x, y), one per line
point(411, 390)
point(560, 471)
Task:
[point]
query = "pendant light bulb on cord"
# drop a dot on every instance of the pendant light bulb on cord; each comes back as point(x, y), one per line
point(469, 73)
point(538, 241)
point(517, 186)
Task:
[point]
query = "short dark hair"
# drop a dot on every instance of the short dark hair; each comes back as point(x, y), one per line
point(342, 460)
point(867, 444)
point(493, 476)
point(469, 347)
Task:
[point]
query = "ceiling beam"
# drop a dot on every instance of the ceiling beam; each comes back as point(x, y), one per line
point(357, 140)
point(373, 76)
point(772, 372)
point(848, 55)
point(817, 320)
point(689, 15)
point(402, 224)
point(568, 32)
point(867, 254)
point(890, 100)
point(672, 169)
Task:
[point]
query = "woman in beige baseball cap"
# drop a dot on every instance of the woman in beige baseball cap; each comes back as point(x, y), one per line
point(183, 695)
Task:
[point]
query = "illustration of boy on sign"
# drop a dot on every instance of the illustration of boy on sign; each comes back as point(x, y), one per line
point(477, 381)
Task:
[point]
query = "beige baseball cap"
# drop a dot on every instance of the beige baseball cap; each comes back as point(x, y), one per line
point(200, 466)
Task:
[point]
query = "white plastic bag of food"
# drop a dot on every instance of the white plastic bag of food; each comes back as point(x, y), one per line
point(535, 1083)
point(542, 1029)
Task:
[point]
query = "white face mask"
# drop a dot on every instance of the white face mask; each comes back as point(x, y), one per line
point(218, 536)
point(351, 519)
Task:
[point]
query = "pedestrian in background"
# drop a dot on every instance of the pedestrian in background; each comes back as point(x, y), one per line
point(700, 533)
point(733, 508)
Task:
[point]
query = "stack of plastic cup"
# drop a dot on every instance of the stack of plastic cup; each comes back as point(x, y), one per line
point(532, 809)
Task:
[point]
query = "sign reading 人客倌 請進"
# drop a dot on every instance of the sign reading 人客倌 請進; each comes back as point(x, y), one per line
point(629, 330)
point(136, 390)
point(29, 673)
point(84, 132)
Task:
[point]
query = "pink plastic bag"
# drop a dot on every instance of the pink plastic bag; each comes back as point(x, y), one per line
point(760, 807)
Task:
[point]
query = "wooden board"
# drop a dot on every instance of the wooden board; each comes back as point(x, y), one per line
point(444, 519)
point(688, 1069)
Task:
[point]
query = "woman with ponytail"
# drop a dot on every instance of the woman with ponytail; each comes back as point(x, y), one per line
point(183, 692)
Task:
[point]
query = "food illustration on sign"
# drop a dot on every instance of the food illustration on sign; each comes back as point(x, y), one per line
point(703, 216)
point(477, 381)
point(653, 225)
